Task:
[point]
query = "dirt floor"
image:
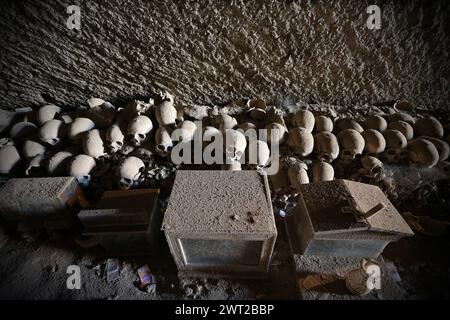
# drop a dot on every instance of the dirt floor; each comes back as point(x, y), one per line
point(38, 271)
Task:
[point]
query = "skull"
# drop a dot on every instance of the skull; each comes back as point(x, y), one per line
point(93, 143)
point(258, 114)
point(404, 127)
point(137, 108)
point(129, 172)
point(209, 134)
point(301, 141)
point(346, 123)
point(374, 141)
point(114, 138)
point(256, 103)
point(79, 127)
point(326, 146)
point(226, 122)
point(351, 144)
point(375, 122)
point(323, 123)
point(80, 167)
point(322, 171)
point(442, 147)
point(22, 129)
point(139, 129)
point(31, 148)
point(46, 113)
point(57, 164)
point(185, 132)
point(276, 133)
point(423, 153)
point(235, 144)
point(401, 116)
point(373, 166)
point(164, 143)
point(259, 153)
point(297, 175)
point(429, 126)
point(9, 159)
point(394, 155)
point(52, 132)
point(395, 144)
point(166, 113)
point(95, 102)
point(304, 119)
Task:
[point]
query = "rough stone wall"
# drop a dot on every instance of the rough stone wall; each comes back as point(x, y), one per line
point(213, 51)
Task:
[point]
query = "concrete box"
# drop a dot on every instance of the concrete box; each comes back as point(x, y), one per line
point(220, 224)
point(41, 199)
point(125, 222)
point(335, 218)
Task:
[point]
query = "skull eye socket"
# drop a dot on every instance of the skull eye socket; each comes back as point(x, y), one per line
point(141, 136)
point(54, 140)
point(141, 169)
point(119, 143)
point(127, 180)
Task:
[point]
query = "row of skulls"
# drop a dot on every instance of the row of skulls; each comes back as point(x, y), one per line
point(74, 145)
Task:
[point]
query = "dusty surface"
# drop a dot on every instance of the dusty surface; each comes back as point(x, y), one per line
point(214, 51)
point(219, 201)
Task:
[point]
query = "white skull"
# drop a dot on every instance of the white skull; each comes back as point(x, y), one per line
point(114, 138)
point(322, 171)
point(259, 153)
point(351, 144)
point(235, 144)
point(93, 143)
point(429, 126)
point(401, 116)
point(374, 141)
point(57, 164)
point(324, 123)
point(423, 153)
point(326, 146)
point(210, 134)
point(346, 123)
point(137, 108)
point(441, 145)
point(394, 155)
point(52, 132)
point(395, 145)
point(404, 127)
point(297, 175)
point(276, 133)
point(375, 122)
point(95, 102)
point(129, 172)
point(185, 132)
point(22, 129)
point(165, 112)
point(304, 119)
point(164, 143)
point(226, 122)
point(79, 127)
point(301, 141)
point(139, 129)
point(81, 167)
point(9, 158)
point(46, 113)
point(31, 148)
point(373, 166)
